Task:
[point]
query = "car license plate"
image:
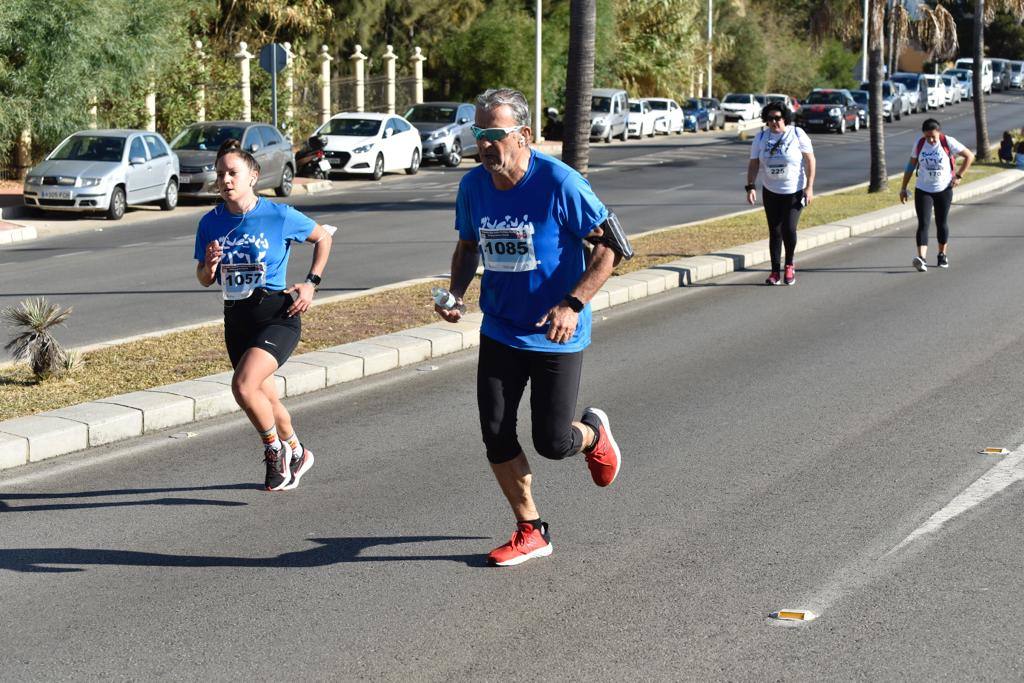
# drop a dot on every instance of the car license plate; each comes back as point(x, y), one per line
point(325, 165)
point(185, 179)
point(335, 162)
point(56, 194)
point(815, 121)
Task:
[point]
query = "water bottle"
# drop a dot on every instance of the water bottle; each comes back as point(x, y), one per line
point(446, 300)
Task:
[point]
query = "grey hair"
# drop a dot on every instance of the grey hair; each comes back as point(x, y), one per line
point(513, 99)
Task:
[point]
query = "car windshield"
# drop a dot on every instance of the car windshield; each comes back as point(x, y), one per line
point(693, 104)
point(826, 98)
point(860, 96)
point(431, 114)
point(601, 104)
point(354, 127)
point(710, 104)
point(636, 107)
point(205, 137)
point(909, 81)
point(737, 99)
point(90, 148)
point(948, 80)
point(1017, 68)
point(998, 66)
point(658, 104)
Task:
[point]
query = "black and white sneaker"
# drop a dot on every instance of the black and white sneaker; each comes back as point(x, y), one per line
point(920, 264)
point(278, 471)
point(299, 466)
point(943, 260)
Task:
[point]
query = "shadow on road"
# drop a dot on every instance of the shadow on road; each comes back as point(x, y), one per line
point(7, 498)
point(329, 551)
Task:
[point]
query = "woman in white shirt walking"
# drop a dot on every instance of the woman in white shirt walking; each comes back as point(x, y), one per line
point(933, 156)
point(783, 157)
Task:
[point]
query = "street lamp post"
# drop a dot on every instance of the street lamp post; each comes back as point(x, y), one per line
point(536, 81)
point(864, 47)
point(710, 92)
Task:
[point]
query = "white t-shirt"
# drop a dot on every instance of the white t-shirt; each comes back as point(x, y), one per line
point(934, 172)
point(781, 157)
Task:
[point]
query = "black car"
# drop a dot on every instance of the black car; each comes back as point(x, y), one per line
point(715, 112)
point(831, 110)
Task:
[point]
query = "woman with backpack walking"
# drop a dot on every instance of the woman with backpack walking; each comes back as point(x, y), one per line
point(934, 156)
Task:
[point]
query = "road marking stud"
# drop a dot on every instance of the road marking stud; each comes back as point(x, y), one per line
point(993, 451)
point(793, 615)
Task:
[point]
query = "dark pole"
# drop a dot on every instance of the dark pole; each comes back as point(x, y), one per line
point(273, 80)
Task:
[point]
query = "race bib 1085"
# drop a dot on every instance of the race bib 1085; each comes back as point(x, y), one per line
point(508, 248)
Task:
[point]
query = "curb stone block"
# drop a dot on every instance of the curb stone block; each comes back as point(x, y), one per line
point(375, 358)
point(745, 255)
point(637, 287)
point(657, 280)
point(470, 332)
point(702, 267)
point(301, 378)
point(600, 301)
point(618, 291)
point(410, 349)
point(159, 410)
point(105, 423)
point(442, 341)
point(13, 450)
point(48, 436)
point(338, 367)
point(474, 317)
point(211, 398)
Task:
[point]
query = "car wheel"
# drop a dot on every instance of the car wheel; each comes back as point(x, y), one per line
point(608, 137)
point(170, 199)
point(842, 126)
point(454, 157)
point(287, 177)
point(625, 134)
point(856, 124)
point(378, 167)
point(414, 164)
point(115, 211)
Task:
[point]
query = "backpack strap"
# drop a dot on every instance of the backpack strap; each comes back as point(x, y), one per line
point(920, 146)
point(949, 153)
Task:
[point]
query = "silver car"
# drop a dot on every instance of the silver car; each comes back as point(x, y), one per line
point(197, 147)
point(105, 170)
point(445, 130)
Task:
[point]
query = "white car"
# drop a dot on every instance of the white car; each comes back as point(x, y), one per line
point(641, 119)
point(670, 112)
point(740, 106)
point(954, 91)
point(359, 142)
point(936, 91)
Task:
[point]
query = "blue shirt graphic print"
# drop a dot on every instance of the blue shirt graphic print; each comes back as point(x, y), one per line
point(264, 235)
point(531, 241)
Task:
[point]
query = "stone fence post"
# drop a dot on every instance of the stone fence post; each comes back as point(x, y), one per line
point(359, 65)
point(389, 63)
point(151, 107)
point(201, 86)
point(325, 84)
point(417, 67)
point(289, 86)
point(244, 57)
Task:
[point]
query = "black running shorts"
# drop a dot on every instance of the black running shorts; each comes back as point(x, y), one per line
point(261, 322)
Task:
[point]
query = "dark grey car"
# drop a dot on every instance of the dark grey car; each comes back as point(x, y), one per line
point(444, 130)
point(197, 145)
point(715, 111)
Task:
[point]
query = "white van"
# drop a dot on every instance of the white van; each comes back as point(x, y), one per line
point(609, 112)
point(986, 72)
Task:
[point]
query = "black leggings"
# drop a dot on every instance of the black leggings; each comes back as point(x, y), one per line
point(923, 203)
point(501, 379)
point(783, 212)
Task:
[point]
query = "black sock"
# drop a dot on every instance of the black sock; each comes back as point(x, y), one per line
point(533, 522)
point(590, 419)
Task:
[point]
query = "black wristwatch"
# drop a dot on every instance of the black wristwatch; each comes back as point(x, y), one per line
point(314, 279)
point(748, 188)
point(959, 177)
point(574, 303)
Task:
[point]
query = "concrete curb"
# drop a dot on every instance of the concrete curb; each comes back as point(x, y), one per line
point(57, 432)
point(16, 233)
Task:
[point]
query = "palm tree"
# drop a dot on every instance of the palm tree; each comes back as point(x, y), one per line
point(35, 342)
point(579, 84)
point(877, 176)
point(984, 13)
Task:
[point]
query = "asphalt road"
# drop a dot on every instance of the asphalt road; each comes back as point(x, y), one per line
point(779, 443)
point(137, 276)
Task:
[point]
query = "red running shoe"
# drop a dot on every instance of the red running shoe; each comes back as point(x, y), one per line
point(774, 279)
point(790, 276)
point(605, 458)
point(526, 543)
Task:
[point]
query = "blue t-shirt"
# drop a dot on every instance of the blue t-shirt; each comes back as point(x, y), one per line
point(264, 235)
point(531, 242)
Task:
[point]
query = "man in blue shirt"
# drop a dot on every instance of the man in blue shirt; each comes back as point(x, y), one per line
point(526, 215)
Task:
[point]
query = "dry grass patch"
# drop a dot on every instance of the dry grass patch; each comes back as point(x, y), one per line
point(196, 353)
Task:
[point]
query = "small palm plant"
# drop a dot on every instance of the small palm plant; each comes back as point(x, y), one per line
point(34, 319)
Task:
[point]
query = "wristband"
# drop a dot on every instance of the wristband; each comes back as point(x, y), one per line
point(313, 279)
point(575, 304)
point(748, 188)
point(959, 177)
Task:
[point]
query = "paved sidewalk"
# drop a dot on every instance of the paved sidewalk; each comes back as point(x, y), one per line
point(38, 437)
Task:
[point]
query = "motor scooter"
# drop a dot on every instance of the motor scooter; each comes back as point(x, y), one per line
point(311, 160)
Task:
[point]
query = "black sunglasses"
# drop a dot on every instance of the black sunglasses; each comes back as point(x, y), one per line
point(775, 118)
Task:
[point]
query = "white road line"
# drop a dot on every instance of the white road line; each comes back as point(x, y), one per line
point(74, 253)
point(1007, 471)
point(137, 244)
point(678, 187)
